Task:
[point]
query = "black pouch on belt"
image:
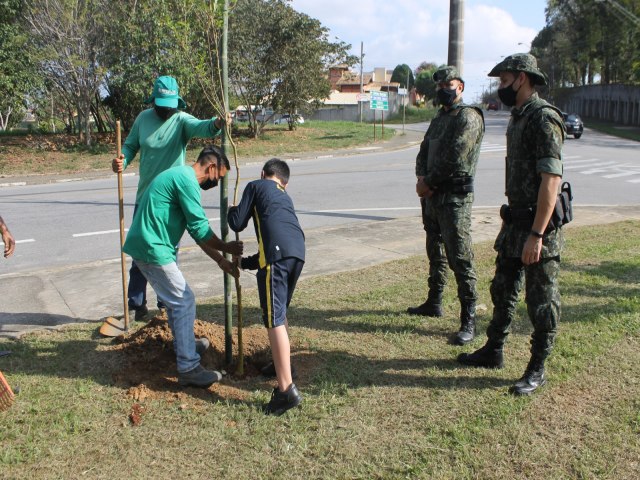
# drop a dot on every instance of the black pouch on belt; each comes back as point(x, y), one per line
point(459, 185)
point(563, 210)
point(520, 217)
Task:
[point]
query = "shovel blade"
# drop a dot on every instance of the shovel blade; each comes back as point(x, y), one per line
point(112, 327)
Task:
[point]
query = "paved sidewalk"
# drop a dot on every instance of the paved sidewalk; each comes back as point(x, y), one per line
point(50, 298)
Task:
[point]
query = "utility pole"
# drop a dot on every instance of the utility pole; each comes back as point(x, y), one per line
point(360, 102)
point(456, 34)
point(405, 100)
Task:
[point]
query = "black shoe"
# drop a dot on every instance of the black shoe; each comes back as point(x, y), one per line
point(141, 313)
point(199, 377)
point(427, 309)
point(283, 401)
point(269, 370)
point(532, 379)
point(467, 330)
point(487, 356)
point(202, 344)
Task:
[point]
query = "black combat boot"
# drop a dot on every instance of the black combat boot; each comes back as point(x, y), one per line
point(532, 379)
point(488, 356)
point(467, 325)
point(432, 307)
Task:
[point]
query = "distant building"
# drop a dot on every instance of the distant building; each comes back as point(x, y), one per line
point(345, 84)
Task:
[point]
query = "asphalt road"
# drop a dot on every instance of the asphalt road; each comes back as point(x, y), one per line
point(77, 222)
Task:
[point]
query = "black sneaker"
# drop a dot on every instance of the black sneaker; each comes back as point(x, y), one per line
point(283, 401)
point(199, 377)
point(141, 313)
point(269, 370)
point(202, 345)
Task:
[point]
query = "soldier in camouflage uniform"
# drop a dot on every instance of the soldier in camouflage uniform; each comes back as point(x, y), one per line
point(528, 244)
point(445, 167)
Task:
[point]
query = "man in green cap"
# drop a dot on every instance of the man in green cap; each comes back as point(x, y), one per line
point(161, 135)
point(529, 244)
point(445, 167)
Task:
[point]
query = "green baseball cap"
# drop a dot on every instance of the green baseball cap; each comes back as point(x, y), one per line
point(446, 74)
point(520, 62)
point(166, 93)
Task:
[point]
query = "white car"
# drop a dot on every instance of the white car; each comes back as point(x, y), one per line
point(285, 119)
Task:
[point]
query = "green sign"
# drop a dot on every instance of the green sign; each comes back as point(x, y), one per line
point(379, 100)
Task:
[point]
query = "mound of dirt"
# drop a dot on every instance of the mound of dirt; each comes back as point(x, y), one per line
point(149, 368)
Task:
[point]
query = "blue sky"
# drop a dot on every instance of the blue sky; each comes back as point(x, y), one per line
point(412, 31)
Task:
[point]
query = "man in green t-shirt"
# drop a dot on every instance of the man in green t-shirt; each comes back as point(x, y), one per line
point(169, 206)
point(161, 135)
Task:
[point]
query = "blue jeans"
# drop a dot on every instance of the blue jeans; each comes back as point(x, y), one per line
point(137, 289)
point(170, 285)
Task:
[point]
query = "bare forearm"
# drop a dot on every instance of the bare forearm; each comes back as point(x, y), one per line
point(546, 201)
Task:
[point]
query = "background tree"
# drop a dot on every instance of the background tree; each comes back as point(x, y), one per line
point(400, 74)
point(586, 42)
point(425, 66)
point(150, 40)
point(67, 35)
point(283, 63)
point(425, 85)
point(19, 74)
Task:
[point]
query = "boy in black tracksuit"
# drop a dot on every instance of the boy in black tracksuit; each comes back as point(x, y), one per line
point(279, 261)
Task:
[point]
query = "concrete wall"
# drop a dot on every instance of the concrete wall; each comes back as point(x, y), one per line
point(351, 113)
point(613, 103)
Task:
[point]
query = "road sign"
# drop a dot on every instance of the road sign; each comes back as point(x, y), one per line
point(363, 97)
point(379, 101)
point(402, 91)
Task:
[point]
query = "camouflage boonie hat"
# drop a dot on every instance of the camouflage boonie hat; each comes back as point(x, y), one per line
point(445, 74)
point(520, 62)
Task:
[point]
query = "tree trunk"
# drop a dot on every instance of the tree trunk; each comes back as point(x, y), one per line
point(4, 121)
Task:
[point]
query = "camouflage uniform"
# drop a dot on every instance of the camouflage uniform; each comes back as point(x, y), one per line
point(534, 145)
point(450, 149)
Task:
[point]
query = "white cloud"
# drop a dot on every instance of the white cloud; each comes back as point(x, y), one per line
point(412, 31)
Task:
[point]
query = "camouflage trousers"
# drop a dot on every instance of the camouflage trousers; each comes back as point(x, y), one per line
point(448, 227)
point(541, 296)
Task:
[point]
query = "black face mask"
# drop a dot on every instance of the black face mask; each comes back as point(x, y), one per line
point(208, 183)
point(446, 96)
point(164, 112)
point(507, 95)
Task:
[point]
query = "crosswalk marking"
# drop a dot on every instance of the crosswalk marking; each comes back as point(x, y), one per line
point(607, 169)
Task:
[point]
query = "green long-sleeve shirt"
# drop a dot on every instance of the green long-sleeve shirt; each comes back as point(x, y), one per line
point(168, 207)
point(162, 143)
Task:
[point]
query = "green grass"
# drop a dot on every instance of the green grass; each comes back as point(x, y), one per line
point(384, 397)
point(37, 156)
point(413, 115)
point(631, 133)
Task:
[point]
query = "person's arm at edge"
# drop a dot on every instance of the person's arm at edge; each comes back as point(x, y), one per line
point(7, 238)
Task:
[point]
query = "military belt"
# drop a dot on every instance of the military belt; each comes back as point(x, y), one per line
point(461, 184)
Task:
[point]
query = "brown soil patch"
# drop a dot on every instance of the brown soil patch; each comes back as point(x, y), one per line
point(149, 368)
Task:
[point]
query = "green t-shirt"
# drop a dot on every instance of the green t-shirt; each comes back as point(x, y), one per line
point(168, 207)
point(162, 144)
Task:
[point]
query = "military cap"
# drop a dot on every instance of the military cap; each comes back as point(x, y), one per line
point(446, 73)
point(520, 62)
